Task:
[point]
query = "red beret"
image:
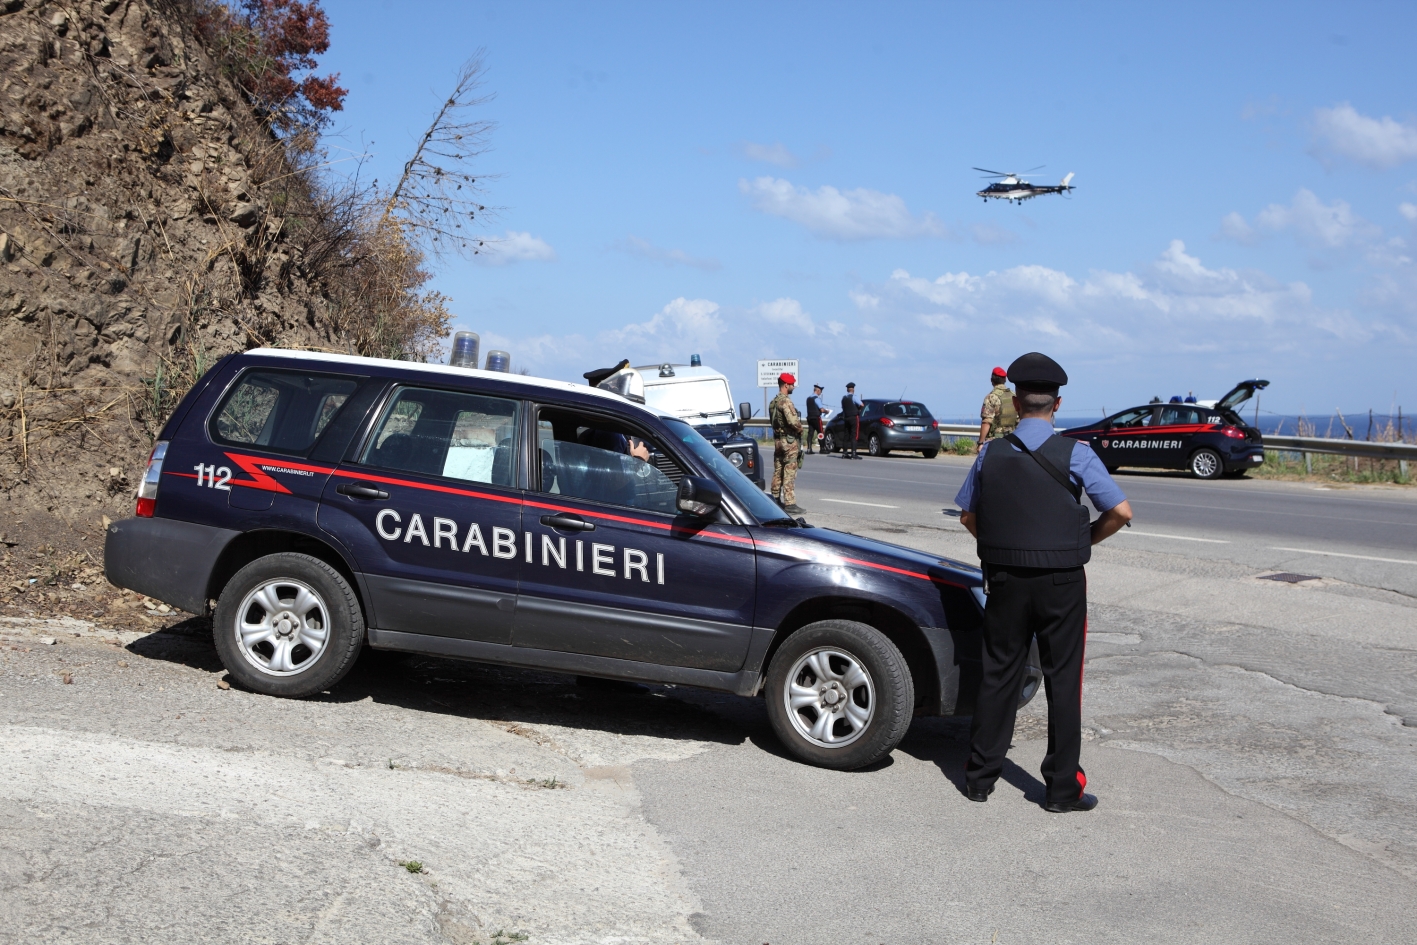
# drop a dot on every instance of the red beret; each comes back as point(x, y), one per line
point(1000, 372)
point(786, 379)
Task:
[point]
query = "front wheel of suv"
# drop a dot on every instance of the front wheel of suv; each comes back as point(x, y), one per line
point(839, 694)
point(288, 625)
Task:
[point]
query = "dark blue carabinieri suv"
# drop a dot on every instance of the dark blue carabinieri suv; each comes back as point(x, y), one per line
point(318, 504)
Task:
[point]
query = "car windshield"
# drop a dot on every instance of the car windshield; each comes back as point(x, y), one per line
point(702, 399)
point(750, 496)
point(907, 410)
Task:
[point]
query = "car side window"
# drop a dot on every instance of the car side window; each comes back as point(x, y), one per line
point(591, 458)
point(280, 411)
point(1132, 418)
point(1171, 416)
point(446, 433)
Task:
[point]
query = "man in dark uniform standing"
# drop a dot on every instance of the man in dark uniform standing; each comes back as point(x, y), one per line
point(1022, 501)
point(850, 422)
point(814, 417)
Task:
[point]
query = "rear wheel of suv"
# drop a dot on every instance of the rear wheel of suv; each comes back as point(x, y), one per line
point(1206, 464)
point(839, 694)
point(288, 625)
point(875, 447)
point(829, 443)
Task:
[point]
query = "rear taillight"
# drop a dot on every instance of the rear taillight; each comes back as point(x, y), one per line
point(888, 421)
point(934, 424)
point(1235, 433)
point(147, 489)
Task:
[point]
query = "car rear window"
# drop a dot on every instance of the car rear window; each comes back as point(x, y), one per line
point(280, 411)
point(907, 410)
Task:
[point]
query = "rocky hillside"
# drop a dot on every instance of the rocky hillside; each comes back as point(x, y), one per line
point(149, 224)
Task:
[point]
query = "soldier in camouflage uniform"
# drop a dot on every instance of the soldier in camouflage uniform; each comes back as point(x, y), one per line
point(786, 445)
point(997, 417)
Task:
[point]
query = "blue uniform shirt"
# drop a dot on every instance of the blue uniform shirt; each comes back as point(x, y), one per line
point(1085, 468)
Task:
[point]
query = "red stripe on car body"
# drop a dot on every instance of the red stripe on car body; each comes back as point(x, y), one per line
point(249, 464)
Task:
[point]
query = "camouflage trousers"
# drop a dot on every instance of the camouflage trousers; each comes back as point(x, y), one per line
point(786, 454)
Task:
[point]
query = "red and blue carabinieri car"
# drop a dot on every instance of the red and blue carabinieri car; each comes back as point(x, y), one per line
point(1207, 437)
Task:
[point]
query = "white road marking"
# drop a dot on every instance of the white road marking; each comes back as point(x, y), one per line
point(1339, 554)
point(1209, 541)
point(874, 505)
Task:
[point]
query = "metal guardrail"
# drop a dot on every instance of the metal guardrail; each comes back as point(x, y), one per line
point(1320, 444)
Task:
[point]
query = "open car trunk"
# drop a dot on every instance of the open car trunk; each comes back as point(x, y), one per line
point(1240, 393)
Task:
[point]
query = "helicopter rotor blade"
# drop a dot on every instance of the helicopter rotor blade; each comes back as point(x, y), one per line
point(995, 173)
point(1038, 168)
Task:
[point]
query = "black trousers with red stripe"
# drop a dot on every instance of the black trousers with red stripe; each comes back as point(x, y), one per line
point(1024, 603)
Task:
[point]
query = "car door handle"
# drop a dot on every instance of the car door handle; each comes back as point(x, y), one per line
point(359, 490)
point(570, 523)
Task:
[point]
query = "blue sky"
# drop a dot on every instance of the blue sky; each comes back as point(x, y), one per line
point(793, 180)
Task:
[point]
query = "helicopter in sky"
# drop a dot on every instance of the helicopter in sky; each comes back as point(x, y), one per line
point(1016, 187)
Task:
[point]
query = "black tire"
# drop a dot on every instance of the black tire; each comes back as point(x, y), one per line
point(1112, 469)
point(1206, 464)
point(889, 691)
point(829, 443)
point(929, 454)
point(280, 578)
point(874, 446)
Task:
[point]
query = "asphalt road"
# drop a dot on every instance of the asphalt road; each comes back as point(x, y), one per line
point(1252, 743)
point(1366, 535)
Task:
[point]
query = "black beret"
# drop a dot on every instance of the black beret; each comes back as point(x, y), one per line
point(1037, 372)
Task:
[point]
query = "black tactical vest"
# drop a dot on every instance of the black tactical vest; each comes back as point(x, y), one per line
point(848, 407)
point(814, 408)
point(1026, 518)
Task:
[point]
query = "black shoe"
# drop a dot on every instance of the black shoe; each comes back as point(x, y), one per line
point(978, 793)
point(794, 509)
point(1085, 802)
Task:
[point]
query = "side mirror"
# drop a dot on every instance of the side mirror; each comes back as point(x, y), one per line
point(699, 497)
point(745, 411)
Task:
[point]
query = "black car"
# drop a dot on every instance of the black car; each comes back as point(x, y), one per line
point(327, 503)
point(1208, 439)
point(888, 425)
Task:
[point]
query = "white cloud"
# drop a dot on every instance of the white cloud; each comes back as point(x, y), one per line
point(840, 214)
point(770, 154)
point(864, 300)
point(1235, 227)
point(1375, 142)
point(1408, 211)
point(669, 257)
point(787, 313)
point(516, 247)
point(1314, 223)
point(1176, 304)
point(684, 325)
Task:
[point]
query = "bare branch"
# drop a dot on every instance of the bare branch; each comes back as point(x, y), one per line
point(436, 199)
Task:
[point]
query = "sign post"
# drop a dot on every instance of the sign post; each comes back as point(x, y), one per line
point(767, 375)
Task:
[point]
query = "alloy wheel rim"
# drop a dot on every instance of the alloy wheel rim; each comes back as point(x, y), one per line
point(829, 697)
point(282, 627)
point(1204, 464)
point(875, 445)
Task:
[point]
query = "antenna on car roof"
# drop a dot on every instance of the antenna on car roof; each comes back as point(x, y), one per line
point(902, 392)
